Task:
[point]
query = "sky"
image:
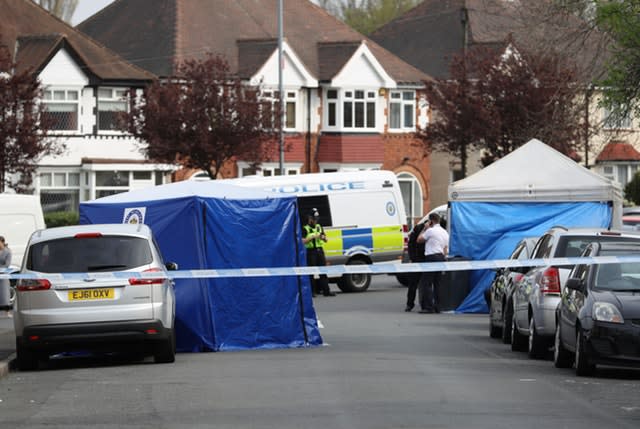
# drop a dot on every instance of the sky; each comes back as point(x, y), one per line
point(86, 8)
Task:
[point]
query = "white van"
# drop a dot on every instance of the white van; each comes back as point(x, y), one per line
point(20, 216)
point(362, 213)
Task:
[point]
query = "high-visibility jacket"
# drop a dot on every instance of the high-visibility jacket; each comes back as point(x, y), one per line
point(315, 243)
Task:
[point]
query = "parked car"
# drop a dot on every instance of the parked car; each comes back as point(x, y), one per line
point(537, 295)
point(80, 313)
point(502, 288)
point(598, 315)
point(631, 222)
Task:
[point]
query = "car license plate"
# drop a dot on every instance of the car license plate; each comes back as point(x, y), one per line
point(91, 294)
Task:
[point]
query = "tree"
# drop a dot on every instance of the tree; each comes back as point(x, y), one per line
point(203, 118)
point(365, 16)
point(63, 9)
point(621, 21)
point(23, 136)
point(497, 100)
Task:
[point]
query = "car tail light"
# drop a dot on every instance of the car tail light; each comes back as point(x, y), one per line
point(146, 281)
point(550, 280)
point(88, 235)
point(24, 285)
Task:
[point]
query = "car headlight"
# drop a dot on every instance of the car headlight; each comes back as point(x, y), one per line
point(606, 312)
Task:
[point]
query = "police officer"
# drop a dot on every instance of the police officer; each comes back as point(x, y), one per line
point(313, 237)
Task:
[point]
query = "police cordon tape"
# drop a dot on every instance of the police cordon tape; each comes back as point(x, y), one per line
point(335, 270)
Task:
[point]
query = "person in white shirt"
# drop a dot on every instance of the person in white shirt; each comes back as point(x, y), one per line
point(436, 245)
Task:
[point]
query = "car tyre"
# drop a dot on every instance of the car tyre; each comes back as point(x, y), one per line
point(507, 317)
point(494, 331)
point(354, 282)
point(26, 360)
point(166, 352)
point(518, 341)
point(537, 344)
point(562, 358)
point(583, 366)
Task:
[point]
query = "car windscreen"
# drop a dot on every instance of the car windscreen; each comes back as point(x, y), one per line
point(624, 276)
point(79, 255)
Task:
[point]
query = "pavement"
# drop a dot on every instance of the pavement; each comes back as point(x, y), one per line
point(7, 343)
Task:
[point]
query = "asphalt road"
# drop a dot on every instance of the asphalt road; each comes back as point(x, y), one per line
point(380, 368)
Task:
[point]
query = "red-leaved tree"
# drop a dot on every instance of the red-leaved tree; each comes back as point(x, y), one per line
point(23, 136)
point(203, 118)
point(496, 100)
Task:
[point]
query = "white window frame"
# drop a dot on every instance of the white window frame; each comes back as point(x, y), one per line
point(117, 95)
point(270, 168)
point(49, 97)
point(291, 97)
point(346, 95)
point(397, 97)
point(609, 123)
point(66, 187)
point(416, 211)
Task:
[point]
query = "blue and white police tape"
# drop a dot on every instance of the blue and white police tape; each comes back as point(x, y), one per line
point(334, 270)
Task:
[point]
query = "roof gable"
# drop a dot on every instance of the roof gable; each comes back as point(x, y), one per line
point(22, 18)
point(62, 69)
point(295, 73)
point(363, 70)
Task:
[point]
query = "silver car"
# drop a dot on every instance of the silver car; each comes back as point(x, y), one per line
point(77, 312)
point(537, 295)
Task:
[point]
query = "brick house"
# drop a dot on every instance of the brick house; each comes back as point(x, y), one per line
point(83, 84)
point(350, 104)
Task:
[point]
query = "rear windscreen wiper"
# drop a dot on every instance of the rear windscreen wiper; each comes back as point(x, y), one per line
point(104, 267)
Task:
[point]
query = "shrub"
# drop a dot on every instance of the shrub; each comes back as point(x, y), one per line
point(53, 219)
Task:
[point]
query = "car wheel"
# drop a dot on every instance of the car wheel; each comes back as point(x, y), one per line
point(583, 366)
point(494, 331)
point(27, 360)
point(354, 282)
point(507, 316)
point(537, 344)
point(562, 358)
point(166, 352)
point(518, 341)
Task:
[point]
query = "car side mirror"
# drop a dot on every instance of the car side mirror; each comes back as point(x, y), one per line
point(171, 266)
point(575, 284)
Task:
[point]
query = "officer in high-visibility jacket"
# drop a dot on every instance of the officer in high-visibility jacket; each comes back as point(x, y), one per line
point(313, 237)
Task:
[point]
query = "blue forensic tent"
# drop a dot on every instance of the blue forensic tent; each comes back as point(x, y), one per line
point(522, 195)
point(212, 225)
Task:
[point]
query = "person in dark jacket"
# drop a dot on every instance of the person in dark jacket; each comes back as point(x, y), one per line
point(416, 254)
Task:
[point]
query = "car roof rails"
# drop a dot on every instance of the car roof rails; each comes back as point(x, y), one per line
point(560, 227)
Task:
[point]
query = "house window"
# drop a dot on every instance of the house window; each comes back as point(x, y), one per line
point(332, 107)
point(623, 176)
point(111, 102)
point(61, 109)
point(59, 191)
point(412, 196)
point(614, 121)
point(290, 108)
point(359, 109)
point(402, 110)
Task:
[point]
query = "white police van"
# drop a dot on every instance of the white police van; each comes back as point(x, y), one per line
point(362, 213)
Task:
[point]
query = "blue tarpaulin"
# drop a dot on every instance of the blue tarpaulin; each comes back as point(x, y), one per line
point(202, 225)
point(492, 230)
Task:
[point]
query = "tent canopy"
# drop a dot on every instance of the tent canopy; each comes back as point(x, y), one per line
point(213, 225)
point(522, 195)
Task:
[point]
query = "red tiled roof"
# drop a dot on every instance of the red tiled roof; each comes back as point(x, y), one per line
point(618, 151)
point(35, 35)
point(158, 34)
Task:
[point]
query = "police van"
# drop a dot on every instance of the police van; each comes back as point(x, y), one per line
point(362, 213)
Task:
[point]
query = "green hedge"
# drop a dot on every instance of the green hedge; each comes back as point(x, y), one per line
point(53, 219)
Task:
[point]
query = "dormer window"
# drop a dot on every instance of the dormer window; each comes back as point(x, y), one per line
point(61, 109)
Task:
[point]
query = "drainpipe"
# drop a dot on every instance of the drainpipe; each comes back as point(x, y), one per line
point(308, 139)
